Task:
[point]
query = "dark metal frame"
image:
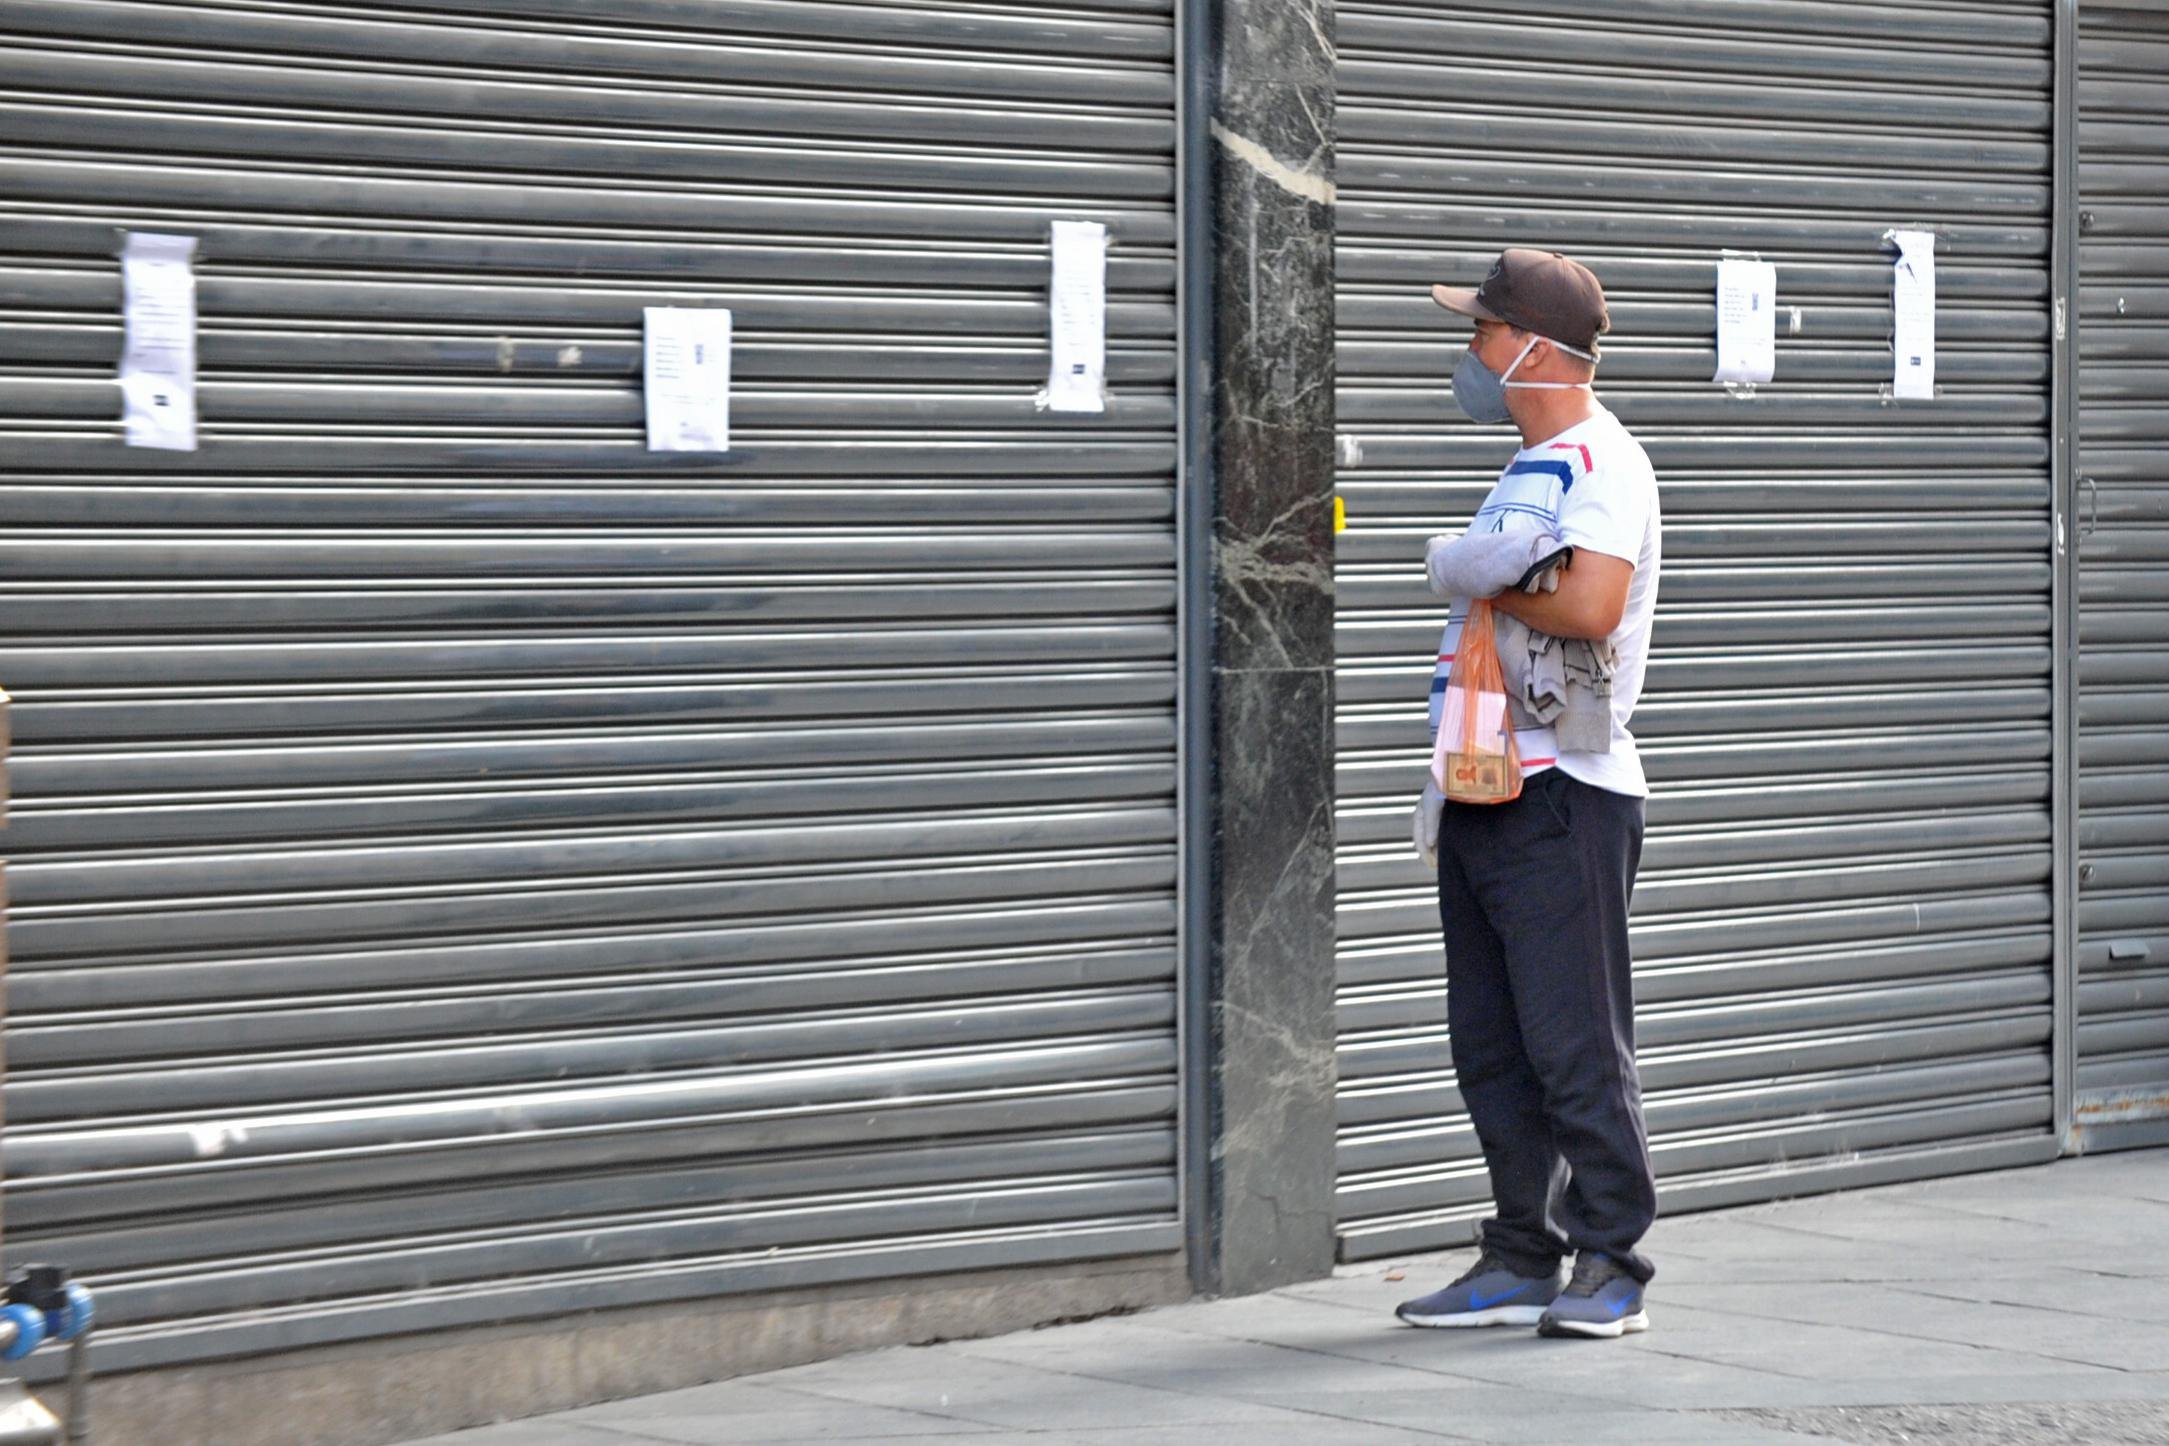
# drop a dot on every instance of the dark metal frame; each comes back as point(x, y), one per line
point(1194, 510)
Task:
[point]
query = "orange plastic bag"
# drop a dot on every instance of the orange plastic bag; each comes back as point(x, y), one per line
point(1474, 759)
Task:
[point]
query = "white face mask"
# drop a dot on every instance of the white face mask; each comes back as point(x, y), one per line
point(1481, 393)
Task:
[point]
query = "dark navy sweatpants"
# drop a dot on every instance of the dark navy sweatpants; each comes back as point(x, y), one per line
point(1540, 1003)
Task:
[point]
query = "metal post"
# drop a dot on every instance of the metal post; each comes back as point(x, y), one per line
point(78, 1417)
point(2064, 770)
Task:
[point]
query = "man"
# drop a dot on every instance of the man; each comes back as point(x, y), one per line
point(1533, 893)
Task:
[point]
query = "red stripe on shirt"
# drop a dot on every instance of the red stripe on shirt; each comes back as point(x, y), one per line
point(1587, 464)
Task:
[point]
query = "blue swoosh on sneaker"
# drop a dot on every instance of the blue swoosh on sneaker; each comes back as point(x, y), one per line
point(1486, 1302)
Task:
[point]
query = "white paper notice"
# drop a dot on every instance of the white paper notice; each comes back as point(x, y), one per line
point(1913, 297)
point(1077, 376)
point(686, 360)
point(158, 357)
point(1746, 321)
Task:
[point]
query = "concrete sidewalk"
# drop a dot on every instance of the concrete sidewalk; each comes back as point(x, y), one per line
point(2024, 1306)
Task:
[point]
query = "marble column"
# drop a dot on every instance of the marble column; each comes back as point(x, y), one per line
point(1271, 147)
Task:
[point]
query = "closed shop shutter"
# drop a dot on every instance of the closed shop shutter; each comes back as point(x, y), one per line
point(469, 867)
point(1843, 926)
point(2123, 523)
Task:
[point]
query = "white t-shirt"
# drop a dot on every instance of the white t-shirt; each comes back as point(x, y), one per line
point(1593, 486)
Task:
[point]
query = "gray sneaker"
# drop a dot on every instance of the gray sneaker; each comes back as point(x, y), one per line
point(1490, 1293)
point(1601, 1301)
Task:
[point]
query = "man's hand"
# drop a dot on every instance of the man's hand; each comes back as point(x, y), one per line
point(1591, 599)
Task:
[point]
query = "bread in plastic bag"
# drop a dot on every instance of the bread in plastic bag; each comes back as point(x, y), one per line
point(1473, 759)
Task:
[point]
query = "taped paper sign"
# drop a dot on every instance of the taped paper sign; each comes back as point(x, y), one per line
point(158, 357)
point(686, 360)
point(1077, 325)
point(1746, 321)
point(1913, 300)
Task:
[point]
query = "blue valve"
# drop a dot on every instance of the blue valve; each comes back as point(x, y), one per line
point(29, 1325)
point(73, 1316)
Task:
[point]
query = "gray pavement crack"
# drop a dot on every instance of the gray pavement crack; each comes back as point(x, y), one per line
point(1960, 1342)
point(1210, 1396)
point(1802, 1230)
point(1972, 1213)
point(2024, 1305)
point(830, 1400)
point(2129, 1423)
point(1998, 1304)
point(629, 1434)
point(1339, 1305)
point(1642, 1345)
point(1110, 1380)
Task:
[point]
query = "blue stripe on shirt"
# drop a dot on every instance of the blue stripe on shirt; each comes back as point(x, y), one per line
point(1560, 470)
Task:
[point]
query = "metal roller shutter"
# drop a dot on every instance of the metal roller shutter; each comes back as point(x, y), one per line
point(468, 866)
point(1843, 925)
point(2123, 523)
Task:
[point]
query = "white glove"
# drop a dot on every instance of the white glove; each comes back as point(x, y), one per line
point(1428, 809)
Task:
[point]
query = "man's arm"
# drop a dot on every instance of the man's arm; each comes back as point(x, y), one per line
point(1591, 599)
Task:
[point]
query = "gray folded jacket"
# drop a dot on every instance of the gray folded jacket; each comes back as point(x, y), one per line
point(1565, 683)
point(1484, 564)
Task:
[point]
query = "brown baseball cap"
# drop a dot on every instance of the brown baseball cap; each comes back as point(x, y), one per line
point(1539, 291)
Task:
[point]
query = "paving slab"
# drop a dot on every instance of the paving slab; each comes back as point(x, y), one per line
point(1771, 1250)
point(1927, 1226)
point(785, 1420)
point(1917, 1312)
point(539, 1433)
point(1240, 1369)
point(947, 1382)
point(2045, 1213)
point(2066, 1290)
point(1641, 1374)
point(1906, 1390)
point(1854, 1349)
point(1518, 1418)
point(1991, 1309)
point(2139, 1423)
point(1307, 1432)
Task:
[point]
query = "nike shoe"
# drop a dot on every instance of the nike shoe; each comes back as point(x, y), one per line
point(1602, 1300)
point(1490, 1293)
